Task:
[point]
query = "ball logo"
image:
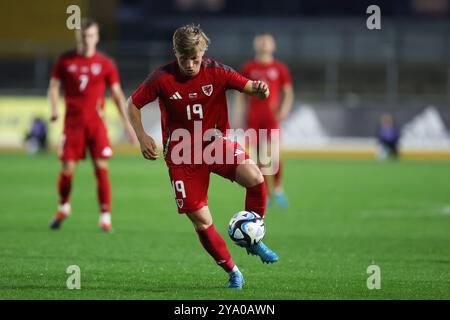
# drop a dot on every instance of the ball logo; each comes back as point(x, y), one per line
point(208, 89)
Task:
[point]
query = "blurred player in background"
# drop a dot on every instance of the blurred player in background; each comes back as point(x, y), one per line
point(192, 91)
point(84, 74)
point(270, 113)
point(388, 137)
point(36, 138)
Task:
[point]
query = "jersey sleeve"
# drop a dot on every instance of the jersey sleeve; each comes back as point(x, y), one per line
point(234, 80)
point(147, 92)
point(285, 75)
point(112, 75)
point(57, 69)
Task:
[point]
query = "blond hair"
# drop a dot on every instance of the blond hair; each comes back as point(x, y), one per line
point(188, 38)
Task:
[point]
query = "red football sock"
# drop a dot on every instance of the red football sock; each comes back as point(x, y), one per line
point(213, 242)
point(103, 189)
point(255, 199)
point(64, 187)
point(277, 177)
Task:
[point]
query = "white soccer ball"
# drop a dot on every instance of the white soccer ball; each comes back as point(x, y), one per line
point(246, 228)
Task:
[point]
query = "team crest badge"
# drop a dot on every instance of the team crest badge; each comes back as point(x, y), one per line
point(96, 68)
point(208, 89)
point(180, 203)
point(272, 73)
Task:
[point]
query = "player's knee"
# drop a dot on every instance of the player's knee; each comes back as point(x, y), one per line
point(248, 174)
point(100, 164)
point(257, 178)
point(68, 167)
point(200, 226)
point(201, 219)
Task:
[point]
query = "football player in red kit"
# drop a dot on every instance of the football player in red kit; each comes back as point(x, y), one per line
point(192, 99)
point(267, 114)
point(84, 74)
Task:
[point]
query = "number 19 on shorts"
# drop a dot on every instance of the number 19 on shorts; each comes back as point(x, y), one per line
point(178, 187)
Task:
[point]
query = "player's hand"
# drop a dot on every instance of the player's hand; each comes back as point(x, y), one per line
point(148, 147)
point(261, 89)
point(54, 116)
point(281, 116)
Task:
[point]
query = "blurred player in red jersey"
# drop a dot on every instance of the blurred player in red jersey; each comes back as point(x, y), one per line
point(267, 114)
point(84, 74)
point(192, 92)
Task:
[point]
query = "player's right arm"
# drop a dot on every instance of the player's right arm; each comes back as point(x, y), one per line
point(146, 93)
point(53, 96)
point(148, 145)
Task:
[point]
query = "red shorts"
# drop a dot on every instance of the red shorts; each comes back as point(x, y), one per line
point(76, 139)
point(190, 182)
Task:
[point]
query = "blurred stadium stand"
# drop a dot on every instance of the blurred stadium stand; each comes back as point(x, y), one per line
point(348, 74)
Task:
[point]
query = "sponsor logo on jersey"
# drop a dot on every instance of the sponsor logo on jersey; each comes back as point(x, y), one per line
point(238, 152)
point(96, 68)
point(208, 89)
point(180, 203)
point(192, 95)
point(84, 69)
point(176, 96)
point(72, 68)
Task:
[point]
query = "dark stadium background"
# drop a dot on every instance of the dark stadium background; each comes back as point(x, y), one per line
point(348, 73)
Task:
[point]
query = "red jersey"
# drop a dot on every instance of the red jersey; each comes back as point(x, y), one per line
point(84, 80)
point(262, 113)
point(184, 100)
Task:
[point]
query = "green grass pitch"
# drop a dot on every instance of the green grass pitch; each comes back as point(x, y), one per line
point(344, 215)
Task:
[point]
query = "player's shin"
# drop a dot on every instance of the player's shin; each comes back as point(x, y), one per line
point(255, 199)
point(64, 187)
point(277, 177)
point(215, 245)
point(103, 189)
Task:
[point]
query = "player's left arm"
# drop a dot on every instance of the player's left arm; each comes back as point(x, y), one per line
point(119, 100)
point(237, 81)
point(287, 93)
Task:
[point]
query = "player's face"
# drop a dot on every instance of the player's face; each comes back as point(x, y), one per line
point(387, 121)
point(190, 64)
point(264, 44)
point(87, 39)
